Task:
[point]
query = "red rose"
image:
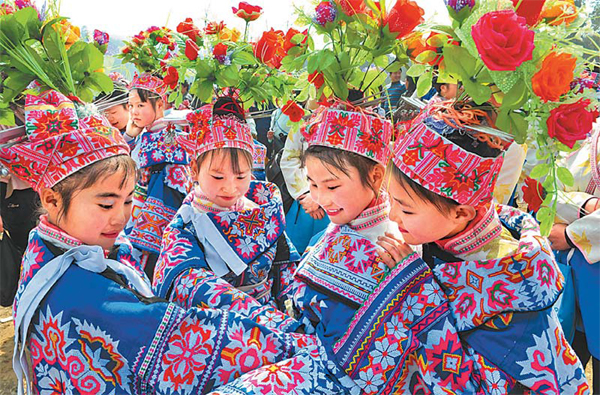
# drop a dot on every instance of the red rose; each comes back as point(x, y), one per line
point(172, 78)
point(569, 123)
point(503, 40)
point(533, 194)
point(188, 28)
point(220, 52)
point(247, 11)
point(288, 39)
point(138, 38)
point(191, 49)
point(530, 10)
point(126, 50)
point(214, 27)
point(351, 7)
point(270, 47)
point(316, 79)
point(293, 111)
point(403, 18)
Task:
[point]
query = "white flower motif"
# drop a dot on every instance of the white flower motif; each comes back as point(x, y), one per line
point(246, 246)
point(496, 385)
point(412, 308)
point(434, 292)
point(369, 381)
point(396, 328)
point(385, 353)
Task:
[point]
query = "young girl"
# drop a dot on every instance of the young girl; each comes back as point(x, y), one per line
point(474, 315)
point(229, 227)
point(86, 320)
point(348, 149)
point(163, 162)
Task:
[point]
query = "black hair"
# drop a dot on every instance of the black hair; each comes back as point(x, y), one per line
point(89, 175)
point(227, 105)
point(355, 94)
point(148, 96)
point(235, 156)
point(340, 160)
point(118, 94)
point(438, 85)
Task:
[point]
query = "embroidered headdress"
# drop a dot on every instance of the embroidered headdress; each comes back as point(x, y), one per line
point(427, 156)
point(210, 131)
point(350, 129)
point(57, 142)
point(150, 83)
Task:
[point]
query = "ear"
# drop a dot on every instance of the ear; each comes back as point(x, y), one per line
point(51, 202)
point(464, 213)
point(194, 169)
point(377, 176)
point(160, 105)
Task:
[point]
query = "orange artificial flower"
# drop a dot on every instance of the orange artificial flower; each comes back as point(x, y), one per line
point(269, 49)
point(228, 34)
point(352, 7)
point(554, 78)
point(557, 12)
point(69, 32)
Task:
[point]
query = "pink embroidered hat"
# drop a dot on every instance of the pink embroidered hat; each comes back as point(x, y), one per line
point(210, 131)
point(351, 129)
point(443, 167)
point(149, 83)
point(58, 143)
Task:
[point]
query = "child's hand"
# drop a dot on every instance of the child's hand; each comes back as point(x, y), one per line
point(311, 207)
point(132, 130)
point(557, 238)
point(393, 250)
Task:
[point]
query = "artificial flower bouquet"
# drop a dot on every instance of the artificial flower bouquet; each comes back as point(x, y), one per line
point(523, 57)
point(44, 47)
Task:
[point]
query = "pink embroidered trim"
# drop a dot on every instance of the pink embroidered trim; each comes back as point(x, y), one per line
point(372, 215)
point(481, 233)
point(52, 232)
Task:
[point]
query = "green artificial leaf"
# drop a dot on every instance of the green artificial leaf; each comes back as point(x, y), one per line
point(203, 90)
point(313, 63)
point(28, 18)
point(565, 176)
point(416, 70)
point(426, 56)
point(203, 69)
point(7, 117)
point(513, 123)
point(382, 61)
point(102, 81)
point(11, 29)
point(459, 62)
point(242, 58)
point(298, 38)
point(52, 40)
point(516, 97)
point(545, 216)
point(539, 171)
point(478, 92)
point(326, 59)
point(424, 83)
point(396, 66)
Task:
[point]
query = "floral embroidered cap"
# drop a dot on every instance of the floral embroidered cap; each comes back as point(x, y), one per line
point(443, 167)
point(57, 142)
point(210, 131)
point(149, 83)
point(351, 129)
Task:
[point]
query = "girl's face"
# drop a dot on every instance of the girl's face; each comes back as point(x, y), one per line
point(343, 197)
point(118, 116)
point(219, 182)
point(420, 221)
point(142, 113)
point(97, 214)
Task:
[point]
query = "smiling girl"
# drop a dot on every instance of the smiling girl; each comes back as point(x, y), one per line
point(163, 162)
point(229, 228)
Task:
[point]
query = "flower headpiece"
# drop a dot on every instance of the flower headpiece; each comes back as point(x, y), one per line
point(150, 83)
point(210, 131)
point(57, 142)
point(443, 167)
point(351, 129)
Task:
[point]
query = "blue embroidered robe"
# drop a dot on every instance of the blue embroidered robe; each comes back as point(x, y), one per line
point(470, 327)
point(93, 333)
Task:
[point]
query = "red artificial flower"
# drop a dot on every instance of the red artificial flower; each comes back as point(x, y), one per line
point(247, 11)
point(220, 52)
point(152, 29)
point(270, 47)
point(352, 7)
point(188, 28)
point(403, 18)
point(138, 38)
point(503, 40)
point(569, 123)
point(531, 10)
point(316, 79)
point(288, 39)
point(172, 78)
point(163, 40)
point(6, 9)
point(191, 49)
point(126, 50)
point(533, 194)
point(214, 27)
point(293, 111)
